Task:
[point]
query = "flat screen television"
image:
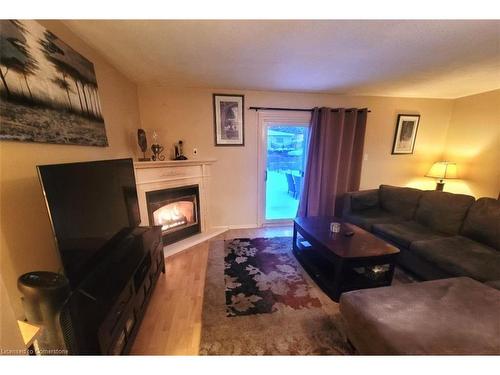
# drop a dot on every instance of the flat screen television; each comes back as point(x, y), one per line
point(89, 204)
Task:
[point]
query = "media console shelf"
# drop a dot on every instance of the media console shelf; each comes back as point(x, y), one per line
point(103, 315)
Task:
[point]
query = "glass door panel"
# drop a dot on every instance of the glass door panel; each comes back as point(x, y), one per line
point(286, 154)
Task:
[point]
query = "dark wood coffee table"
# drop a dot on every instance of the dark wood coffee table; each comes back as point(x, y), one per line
point(338, 263)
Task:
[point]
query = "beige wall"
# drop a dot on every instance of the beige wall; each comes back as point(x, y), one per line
point(26, 236)
point(473, 141)
point(187, 114)
point(10, 336)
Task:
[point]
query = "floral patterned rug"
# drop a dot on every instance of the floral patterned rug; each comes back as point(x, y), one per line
point(259, 301)
point(260, 275)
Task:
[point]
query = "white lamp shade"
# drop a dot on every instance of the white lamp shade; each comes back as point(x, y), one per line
point(443, 170)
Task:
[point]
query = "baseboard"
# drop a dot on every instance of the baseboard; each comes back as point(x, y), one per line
point(221, 227)
point(281, 223)
point(243, 226)
point(237, 226)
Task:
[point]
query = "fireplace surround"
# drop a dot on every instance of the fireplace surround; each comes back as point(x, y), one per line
point(154, 176)
point(177, 210)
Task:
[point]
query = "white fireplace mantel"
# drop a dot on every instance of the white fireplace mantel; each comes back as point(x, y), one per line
point(172, 163)
point(158, 175)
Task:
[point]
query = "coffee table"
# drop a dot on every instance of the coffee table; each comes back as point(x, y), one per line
point(338, 263)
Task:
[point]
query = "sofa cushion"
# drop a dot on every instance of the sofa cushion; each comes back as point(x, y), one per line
point(366, 218)
point(364, 199)
point(482, 222)
point(401, 201)
point(448, 316)
point(460, 256)
point(404, 233)
point(443, 212)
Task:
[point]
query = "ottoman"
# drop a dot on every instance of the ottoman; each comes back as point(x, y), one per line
point(448, 316)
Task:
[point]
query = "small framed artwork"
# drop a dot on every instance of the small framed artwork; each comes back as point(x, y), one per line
point(405, 135)
point(229, 121)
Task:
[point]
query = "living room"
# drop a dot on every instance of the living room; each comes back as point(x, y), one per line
point(170, 78)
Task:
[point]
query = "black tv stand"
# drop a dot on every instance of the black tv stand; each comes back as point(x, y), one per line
point(104, 312)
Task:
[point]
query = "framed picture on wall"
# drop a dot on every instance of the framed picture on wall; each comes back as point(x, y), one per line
point(229, 120)
point(405, 134)
point(49, 91)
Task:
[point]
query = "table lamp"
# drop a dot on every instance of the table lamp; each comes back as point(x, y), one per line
point(442, 170)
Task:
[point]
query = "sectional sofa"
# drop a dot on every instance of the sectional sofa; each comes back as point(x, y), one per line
point(448, 316)
point(440, 234)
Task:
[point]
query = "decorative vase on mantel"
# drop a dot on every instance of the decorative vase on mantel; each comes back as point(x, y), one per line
point(143, 144)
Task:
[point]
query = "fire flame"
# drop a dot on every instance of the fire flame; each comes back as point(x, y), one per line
point(172, 215)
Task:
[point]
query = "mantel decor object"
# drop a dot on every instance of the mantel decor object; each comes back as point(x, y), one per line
point(143, 144)
point(442, 170)
point(178, 152)
point(157, 149)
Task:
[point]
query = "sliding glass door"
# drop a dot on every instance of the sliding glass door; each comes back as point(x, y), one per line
point(285, 160)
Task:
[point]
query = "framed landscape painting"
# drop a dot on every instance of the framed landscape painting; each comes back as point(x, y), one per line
point(48, 91)
point(405, 134)
point(229, 120)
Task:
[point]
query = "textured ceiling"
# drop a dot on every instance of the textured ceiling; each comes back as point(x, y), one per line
point(435, 59)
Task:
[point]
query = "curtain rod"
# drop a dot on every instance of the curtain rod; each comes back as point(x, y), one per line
point(294, 109)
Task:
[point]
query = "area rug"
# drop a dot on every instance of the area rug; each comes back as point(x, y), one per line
point(276, 310)
point(260, 276)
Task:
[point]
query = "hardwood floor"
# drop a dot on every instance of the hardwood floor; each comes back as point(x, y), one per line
point(172, 324)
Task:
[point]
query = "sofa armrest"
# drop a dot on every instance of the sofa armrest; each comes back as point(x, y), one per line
point(357, 201)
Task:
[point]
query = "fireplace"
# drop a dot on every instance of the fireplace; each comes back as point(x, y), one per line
point(177, 210)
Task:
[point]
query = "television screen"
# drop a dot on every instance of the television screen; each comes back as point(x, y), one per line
point(89, 203)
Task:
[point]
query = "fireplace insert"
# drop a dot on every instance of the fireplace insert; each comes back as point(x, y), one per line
point(177, 210)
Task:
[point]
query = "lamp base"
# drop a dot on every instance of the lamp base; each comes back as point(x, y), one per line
point(439, 186)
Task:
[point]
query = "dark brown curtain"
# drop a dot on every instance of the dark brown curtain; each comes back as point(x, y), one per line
point(334, 160)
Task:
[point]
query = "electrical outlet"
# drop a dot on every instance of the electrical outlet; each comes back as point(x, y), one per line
point(195, 151)
point(365, 157)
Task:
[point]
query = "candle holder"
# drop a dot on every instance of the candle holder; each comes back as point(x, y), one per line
point(335, 227)
point(157, 150)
